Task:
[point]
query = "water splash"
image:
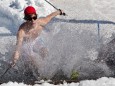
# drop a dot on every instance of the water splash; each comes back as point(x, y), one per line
point(71, 46)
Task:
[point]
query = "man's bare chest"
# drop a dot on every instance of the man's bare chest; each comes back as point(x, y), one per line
point(32, 33)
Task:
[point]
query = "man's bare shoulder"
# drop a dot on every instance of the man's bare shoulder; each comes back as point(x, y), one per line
point(22, 26)
point(21, 29)
point(41, 19)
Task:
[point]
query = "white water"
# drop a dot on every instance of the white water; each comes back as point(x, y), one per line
point(73, 41)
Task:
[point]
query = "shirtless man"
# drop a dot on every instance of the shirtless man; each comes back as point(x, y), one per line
point(31, 29)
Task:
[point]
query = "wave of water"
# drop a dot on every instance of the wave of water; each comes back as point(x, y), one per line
point(71, 46)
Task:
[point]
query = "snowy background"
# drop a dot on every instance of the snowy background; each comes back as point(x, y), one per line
point(83, 41)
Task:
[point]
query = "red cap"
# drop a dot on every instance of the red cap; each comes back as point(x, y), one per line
point(29, 10)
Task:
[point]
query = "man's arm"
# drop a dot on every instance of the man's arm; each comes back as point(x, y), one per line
point(18, 46)
point(44, 21)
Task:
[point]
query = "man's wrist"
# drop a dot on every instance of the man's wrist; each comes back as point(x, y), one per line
point(14, 61)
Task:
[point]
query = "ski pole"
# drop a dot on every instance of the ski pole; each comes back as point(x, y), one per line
point(5, 71)
point(55, 7)
point(52, 5)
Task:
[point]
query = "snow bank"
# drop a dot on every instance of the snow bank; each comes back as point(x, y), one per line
point(104, 81)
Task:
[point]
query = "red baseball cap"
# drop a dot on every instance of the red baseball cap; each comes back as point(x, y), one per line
point(29, 10)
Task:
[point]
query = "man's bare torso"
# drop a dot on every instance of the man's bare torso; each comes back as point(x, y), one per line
point(31, 31)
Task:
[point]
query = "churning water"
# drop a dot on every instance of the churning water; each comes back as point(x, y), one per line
point(73, 45)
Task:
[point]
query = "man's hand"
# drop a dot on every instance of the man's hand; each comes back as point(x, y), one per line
point(13, 63)
point(61, 12)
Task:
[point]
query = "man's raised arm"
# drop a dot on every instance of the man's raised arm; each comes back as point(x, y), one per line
point(44, 21)
point(16, 54)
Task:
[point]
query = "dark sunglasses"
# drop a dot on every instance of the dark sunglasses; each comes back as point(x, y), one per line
point(29, 18)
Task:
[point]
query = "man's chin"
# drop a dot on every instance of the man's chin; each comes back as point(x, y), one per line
point(33, 23)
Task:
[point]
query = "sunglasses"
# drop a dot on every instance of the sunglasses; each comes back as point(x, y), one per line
point(29, 18)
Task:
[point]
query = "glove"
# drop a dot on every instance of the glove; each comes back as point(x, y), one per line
point(61, 12)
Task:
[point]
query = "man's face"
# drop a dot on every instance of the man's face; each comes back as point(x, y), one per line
point(31, 18)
